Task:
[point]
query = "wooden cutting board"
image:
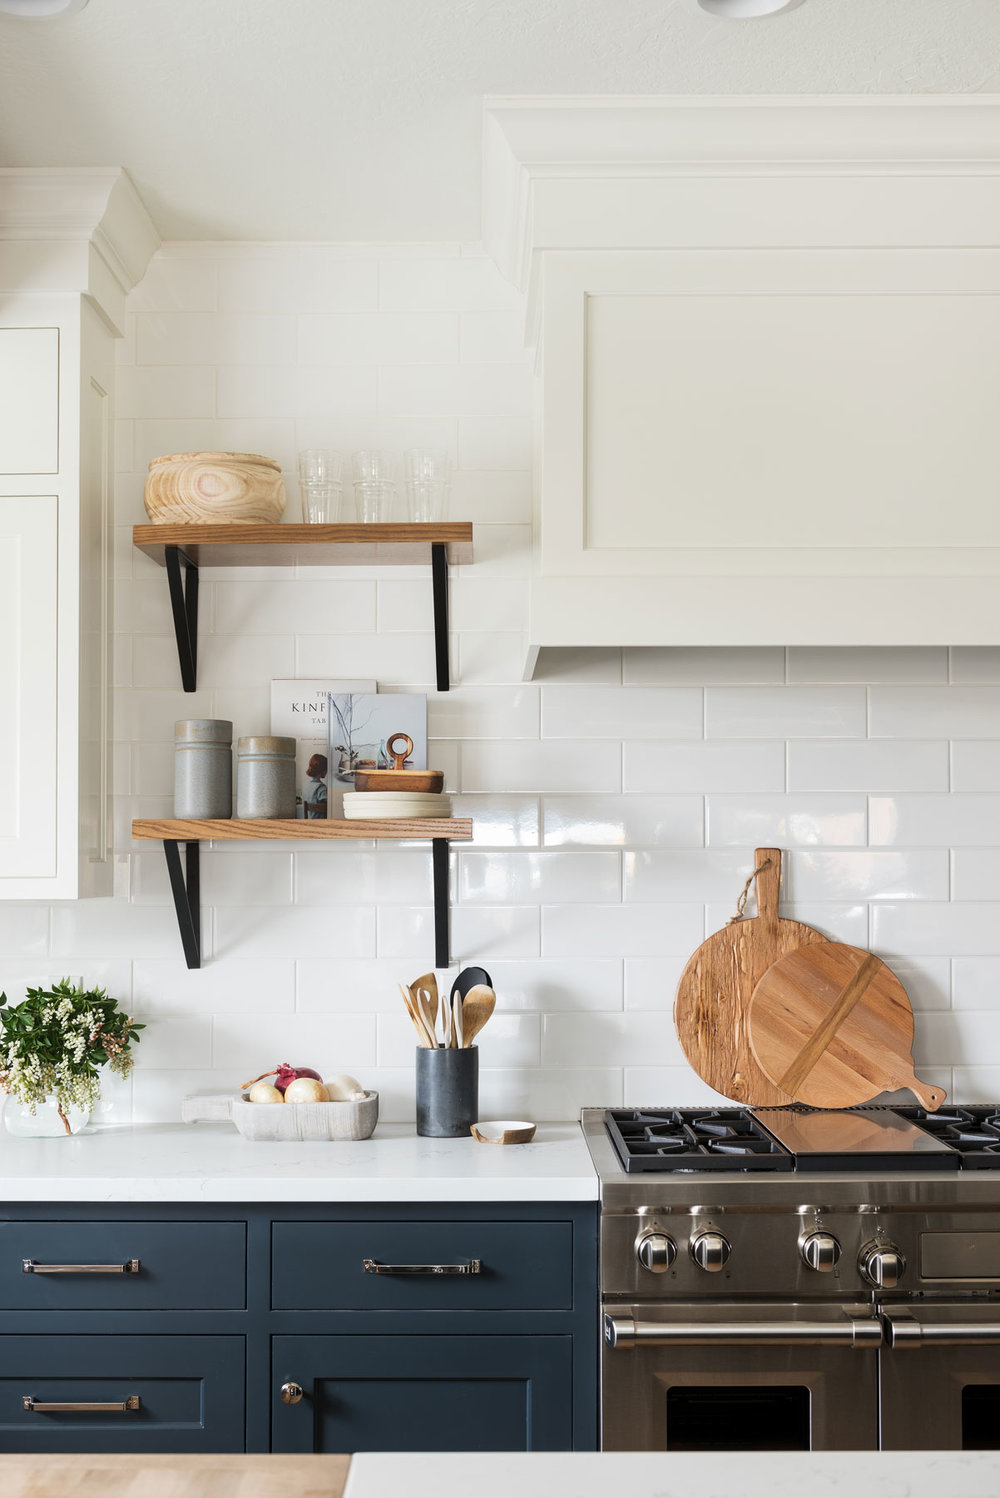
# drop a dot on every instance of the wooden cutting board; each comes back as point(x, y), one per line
point(715, 989)
point(832, 1026)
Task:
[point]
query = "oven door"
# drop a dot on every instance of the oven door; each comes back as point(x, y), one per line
point(940, 1377)
point(766, 1377)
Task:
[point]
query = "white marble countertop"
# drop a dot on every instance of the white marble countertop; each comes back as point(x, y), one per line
point(777, 1474)
point(213, 1163)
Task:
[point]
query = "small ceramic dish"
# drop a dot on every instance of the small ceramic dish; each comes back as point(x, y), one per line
point(503, 1131)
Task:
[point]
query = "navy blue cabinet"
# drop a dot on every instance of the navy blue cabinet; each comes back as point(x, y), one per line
point(424, 1393)
point(182, 1323)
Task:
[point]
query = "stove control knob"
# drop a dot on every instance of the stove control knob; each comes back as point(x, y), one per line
point(710, 1251)
point(656, 1252)
point(882, 1265)
point(820, 1251)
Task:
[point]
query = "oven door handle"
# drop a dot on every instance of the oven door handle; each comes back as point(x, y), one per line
point(626, 1330)
point(905, 1330)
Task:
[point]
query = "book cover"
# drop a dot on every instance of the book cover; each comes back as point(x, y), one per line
point(299, 710)
point(361, 726)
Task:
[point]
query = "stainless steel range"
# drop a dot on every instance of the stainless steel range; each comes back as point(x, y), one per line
point(799, 1279)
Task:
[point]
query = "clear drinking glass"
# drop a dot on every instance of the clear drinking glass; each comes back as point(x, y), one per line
point(373, 466)
point(373, 498)
point(320, 465)
point(425, 463)
point(427, 499)
point(320, 503)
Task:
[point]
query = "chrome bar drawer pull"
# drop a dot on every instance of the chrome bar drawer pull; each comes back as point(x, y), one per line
point(372, 1266)
point(131, 1266)
point(48, 1407)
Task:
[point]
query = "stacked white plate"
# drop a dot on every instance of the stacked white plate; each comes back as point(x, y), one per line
point(359, 805)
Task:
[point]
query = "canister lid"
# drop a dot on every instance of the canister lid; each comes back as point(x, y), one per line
point(203, 731)
point(266, 743)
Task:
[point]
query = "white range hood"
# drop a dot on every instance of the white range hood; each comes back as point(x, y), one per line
point(767, 372)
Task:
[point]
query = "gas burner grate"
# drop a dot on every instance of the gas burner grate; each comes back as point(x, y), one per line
point(974, 1131)
point(696, 1139)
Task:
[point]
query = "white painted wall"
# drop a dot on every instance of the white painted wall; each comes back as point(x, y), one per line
point(617, 800)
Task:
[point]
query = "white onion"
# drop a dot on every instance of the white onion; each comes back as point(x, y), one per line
point(344, 1089)
point(264, 1092)
point(306, 1090)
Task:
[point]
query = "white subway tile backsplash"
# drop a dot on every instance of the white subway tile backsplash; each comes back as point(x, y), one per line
point(867, 765)
point(751, 765)
point(617, 797)
point(934, 821)
point(957, 712)
point(785, 712)
point(595, 712)
point(622, 821)
point(787, 821)
point(699, 665)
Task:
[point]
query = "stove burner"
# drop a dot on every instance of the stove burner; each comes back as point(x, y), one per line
point(973, 1131)
point(694, 1139)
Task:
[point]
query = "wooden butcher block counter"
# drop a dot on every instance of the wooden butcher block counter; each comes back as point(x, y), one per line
point(173, 1476)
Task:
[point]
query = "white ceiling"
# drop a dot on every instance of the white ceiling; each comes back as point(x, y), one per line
point(360, 119)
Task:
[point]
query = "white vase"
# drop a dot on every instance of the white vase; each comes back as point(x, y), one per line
point(45, 1123)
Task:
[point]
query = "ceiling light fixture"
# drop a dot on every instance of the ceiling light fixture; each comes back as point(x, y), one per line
point(40, 10)
point(747, 10)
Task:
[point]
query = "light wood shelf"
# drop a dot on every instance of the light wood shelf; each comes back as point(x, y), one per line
point(387, 545)
point(455, 829)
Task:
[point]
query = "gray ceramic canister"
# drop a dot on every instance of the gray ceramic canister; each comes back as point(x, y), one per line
point(265, 777)
point(203, 767)
point(447, 1091)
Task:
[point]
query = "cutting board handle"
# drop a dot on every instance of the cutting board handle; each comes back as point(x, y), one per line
point(928, 1097)
point(768, 860)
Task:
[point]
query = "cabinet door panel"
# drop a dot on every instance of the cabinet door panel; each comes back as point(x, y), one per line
point(190, 1392)
point(28, 664)
point(29, 400)
point(424, 1393)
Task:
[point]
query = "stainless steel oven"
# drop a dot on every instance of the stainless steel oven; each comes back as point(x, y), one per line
point(788, 1307)
point(762, 1377)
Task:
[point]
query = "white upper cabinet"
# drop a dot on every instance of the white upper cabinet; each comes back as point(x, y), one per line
point(768, 336)
point(71, 245)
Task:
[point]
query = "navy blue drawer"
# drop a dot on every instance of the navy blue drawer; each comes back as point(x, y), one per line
point(524, 1266)
point(188, 1266)
point(190, 1393)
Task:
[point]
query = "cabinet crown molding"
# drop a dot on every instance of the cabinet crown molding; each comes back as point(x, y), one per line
point(80, 229)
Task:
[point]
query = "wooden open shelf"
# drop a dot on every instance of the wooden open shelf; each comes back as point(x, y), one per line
point(388, 545)
point(455, 829)
point(185, 884)
point(184, 549)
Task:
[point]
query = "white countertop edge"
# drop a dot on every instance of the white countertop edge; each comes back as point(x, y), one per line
point(213, 1163)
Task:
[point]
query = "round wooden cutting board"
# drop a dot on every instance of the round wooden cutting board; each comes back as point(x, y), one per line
point(831, 1026)
point(715, 989)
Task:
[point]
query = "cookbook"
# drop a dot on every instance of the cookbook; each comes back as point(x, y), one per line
point(299, 710)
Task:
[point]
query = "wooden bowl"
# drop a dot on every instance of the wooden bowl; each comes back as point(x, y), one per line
point(399, 780)
point(214, 489)
point(503, 1131)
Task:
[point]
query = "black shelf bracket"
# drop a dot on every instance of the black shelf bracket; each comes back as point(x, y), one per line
point(187, 896)
point(439, 578)
point(184, 604)
point(440, 849)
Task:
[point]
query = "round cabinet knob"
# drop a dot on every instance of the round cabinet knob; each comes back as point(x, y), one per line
point(291, 1392)
point(656, 1252)
point(710, 1251)
point(820, 1251)
point(882, 1265)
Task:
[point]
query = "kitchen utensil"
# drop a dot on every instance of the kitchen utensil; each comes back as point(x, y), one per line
point(427, 984)
point(715, 989)
point(503, 1131)
point(446, 1025)
point(831, 1025)
point(426, 1038)
point(468, 978)
point(399, 778)
point(477, 1006)
point(458, 1021)
point(424, 1010)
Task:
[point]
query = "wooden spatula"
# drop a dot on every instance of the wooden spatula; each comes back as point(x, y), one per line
point(715, 989)
point(832, 1026)
point(427, 984)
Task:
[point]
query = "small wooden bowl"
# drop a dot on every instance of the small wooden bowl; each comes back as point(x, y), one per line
point(399, 780)
point(214, 489)
point(503, 1131)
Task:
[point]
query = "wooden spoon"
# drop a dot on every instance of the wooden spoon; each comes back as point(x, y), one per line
point(477, 1006)
point(427, 984)
point(424, 1010)
point(458, 1023)
point(428, 1042)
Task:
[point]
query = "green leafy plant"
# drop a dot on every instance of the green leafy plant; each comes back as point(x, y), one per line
point(55, 1042)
